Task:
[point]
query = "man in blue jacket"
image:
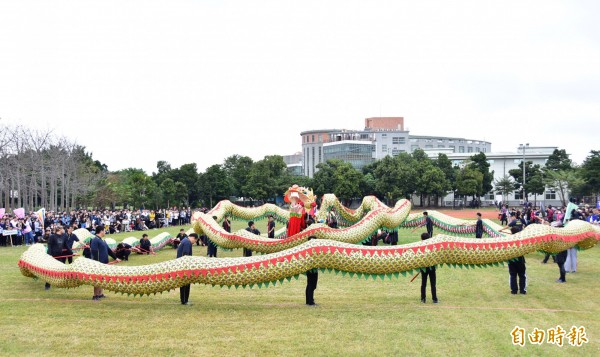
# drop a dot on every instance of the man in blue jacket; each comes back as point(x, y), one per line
point(185, 248)
point(100, 252)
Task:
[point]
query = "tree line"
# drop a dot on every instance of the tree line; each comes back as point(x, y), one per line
point(38, 169)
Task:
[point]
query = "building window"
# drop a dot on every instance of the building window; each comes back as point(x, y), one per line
point(384, 148)
point(469, 149)
point(320, 154)
point(313, 138)
point(414, 147)
point(484, 150)
point(490, 195)
point(384, 135)
point(461, 149)
point(398, 140)
point(450, 141)
point(518, 195)
point(477, 149)
point(313, 157)
point(441, 146)
point(453, 148)
point(550, 195)
point(414, 140)
point(428, 146)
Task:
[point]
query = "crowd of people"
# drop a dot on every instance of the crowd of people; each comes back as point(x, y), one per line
point(31, 229)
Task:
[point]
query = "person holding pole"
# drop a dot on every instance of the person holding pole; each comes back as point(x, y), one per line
point(185, 248)
point(425, 272)
point(100, 252)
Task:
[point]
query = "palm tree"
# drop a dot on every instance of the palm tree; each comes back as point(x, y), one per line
point(504, 186)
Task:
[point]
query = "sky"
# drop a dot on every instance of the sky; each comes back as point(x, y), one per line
point(197, 81)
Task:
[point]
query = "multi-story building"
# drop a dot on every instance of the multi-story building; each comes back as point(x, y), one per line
point(382, 135)
point(501, 163)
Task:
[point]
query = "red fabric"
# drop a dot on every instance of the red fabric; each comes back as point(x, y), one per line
point(294, 226)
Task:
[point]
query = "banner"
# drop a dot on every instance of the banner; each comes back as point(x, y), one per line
point(41, 215)
point(2, 210)
point(19, 212)
point(570, 207)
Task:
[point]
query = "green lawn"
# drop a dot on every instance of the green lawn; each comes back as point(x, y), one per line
point(356, 317)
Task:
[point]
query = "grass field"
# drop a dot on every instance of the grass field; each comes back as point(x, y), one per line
point(356, 317)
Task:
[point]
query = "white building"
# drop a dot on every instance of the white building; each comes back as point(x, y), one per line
point(501, 163)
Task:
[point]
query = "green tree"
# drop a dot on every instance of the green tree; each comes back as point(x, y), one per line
point(141, 187)
point(563, 181)
point(181, 194)
point(238, 168)
point(429, 179)
point(189, 176)
point(559, 160)
point(504, 186)
point(394, 177)
point(531, 171)
point(590, 174)
point(479, 162)
point(267, 178)
point(469, 182)
point(214, 185)
point(340, 178)
point(168, 189)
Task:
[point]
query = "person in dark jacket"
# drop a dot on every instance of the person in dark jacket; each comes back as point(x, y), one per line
point(479, 227)
point(185, 248)
point(145, 245)
point(123, 251)
point(178, 238)
point(211, 250)
point(428, 223)
point(312, 278)
point(252, 229)
point(271, 227)
point(561, 258)
point(393, 238)
point(425, 272)
point(517, 268)
point(100, 252)
point(71, 239)
point(57, 247)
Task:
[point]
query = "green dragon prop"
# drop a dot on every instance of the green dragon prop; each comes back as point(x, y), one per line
point(335, 250)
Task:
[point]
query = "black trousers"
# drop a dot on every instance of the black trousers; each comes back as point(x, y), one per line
point(311, 285)
point(561, 268)
point(247, 252)
point(184, 293)
point(211, 249)
point(431, 273)
point(430, 232)
point(548, 257)
point(517, 269)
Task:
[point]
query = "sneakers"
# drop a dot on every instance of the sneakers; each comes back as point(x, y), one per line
point(513, 292)
point(95, 298)
point(523, 292)
point(423, 301)
point(560, 281)
point(435, 301)
point(312, 305)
